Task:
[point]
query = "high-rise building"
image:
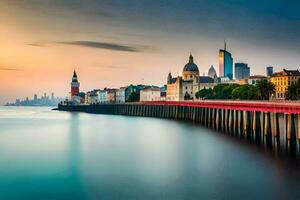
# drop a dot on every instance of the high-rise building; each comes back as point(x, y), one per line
point(52, 96)
point(35, 97)
point(241, 71)
point(269, 70)
point(225, 63)
point(74, 85)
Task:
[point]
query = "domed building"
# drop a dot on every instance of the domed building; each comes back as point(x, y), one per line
point(190, 70)
point(186, 86)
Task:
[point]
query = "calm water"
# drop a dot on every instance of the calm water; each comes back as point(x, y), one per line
point(48, 154)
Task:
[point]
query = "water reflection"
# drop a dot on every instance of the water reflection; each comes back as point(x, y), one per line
point(82, 156)
point(75, 154)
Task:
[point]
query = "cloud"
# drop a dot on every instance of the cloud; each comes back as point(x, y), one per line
point(102, 45)
point(99, 45)
point(37, 44)
point(9, 69)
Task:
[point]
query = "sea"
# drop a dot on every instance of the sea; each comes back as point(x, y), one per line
point(50, 154)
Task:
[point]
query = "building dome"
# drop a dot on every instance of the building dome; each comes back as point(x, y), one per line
point(212, 72)
point(191, 66)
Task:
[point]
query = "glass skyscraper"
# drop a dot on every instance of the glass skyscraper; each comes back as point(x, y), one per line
point(241, 71)
point(269, 71)
point(225, 63)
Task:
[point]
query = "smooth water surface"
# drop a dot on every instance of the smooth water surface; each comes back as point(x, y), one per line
point(48, 154)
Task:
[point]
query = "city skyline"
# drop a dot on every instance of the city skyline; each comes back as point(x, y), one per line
point(110, 45)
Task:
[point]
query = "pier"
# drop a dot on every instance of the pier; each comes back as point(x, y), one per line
point(275, 125)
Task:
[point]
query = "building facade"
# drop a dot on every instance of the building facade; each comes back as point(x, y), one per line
point(282, 80)
point(241, 71)
point(150, 94)
point(111, 95)
point(184, 87)
point(102, 96)
point(252, 80)
point(225, 63)
point(91, 97)
point(120, 95)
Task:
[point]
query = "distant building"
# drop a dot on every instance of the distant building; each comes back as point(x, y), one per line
point(184, 88)
point(252, 80)
point(207, 82)
point(150, 94)
point(269, 71)
point(92, 97)
point(120, 95)
point(282, 80)
point(241, 71)
point(111, 95)
point(35, 97)
point(212, 72)
point(102, 96)
point(74, 85)
point(81, 96)
point(225, 63)
point(129, 90)
point(224, 79)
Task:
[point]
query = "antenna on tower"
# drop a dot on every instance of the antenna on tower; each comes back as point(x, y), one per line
point(225, 45)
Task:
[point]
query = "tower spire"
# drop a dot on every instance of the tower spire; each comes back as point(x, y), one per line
point(225, 45)
point(191, 59)
point(74, 74)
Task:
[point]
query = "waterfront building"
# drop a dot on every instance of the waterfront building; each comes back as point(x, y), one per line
point(74, 85)
point(241, 71)
point(269, 71)
point(184, 87)
point(282, 80)
point(102, 96)
point(81, 96)
point(133, 89)
point(129, 90)
point(212, 72)
point(111, 95)
point(92, 97)
point(225, 63)
point(252, 80)
point(120, 95)
point(152, 93)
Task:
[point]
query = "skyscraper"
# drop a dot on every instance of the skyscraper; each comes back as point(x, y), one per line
point(241, 71)
point(269, 71)
point(225, 63)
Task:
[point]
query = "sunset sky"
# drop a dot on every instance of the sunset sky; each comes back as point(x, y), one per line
point(114, 43)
